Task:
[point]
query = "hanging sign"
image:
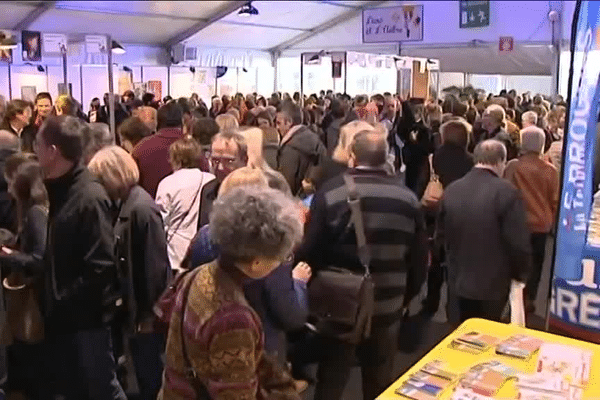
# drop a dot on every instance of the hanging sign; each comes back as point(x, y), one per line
point(575, 302)
point(474, 14)
point(95, 44)
point(54, 44)
point(393, 24)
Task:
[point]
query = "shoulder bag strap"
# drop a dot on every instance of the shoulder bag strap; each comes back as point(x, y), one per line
point(364, 252)
point(187, 211)
point(432, 174)
point(190, 372)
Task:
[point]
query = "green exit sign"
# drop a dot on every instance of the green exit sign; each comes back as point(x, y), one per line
point(474, 14)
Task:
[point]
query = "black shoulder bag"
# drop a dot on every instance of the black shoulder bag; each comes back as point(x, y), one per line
point(342, 302)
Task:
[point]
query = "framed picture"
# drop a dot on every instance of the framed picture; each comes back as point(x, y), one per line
point(31, 43)
point(6, 55)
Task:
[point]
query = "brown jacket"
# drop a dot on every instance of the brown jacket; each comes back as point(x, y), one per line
point(538, 182)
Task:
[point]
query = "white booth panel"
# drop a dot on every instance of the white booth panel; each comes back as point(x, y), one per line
point(27, 75)
point(489, 83)
point(181, 82)
point(448, 79)
point(265, 76)
point(288, 70)
point(247, 80)
point(228, 83)
point(55, 76)
point(536, 84)
point(4, 81)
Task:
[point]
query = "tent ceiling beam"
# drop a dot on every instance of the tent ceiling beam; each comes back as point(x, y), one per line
point(69, 7)
point(262, 25)
point(325, 26)
point(34, 15)
point(334, 3)
point(219, 14)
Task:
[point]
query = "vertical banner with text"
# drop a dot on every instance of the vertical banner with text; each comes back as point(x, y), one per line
point(575, 303)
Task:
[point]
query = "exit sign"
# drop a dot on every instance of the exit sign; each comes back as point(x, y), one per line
point(474, 14)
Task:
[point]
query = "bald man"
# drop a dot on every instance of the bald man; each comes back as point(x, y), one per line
point(482, 226)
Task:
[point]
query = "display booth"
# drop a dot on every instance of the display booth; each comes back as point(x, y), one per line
point(363, 73)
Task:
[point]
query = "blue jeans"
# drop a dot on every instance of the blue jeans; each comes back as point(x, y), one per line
point(81, 366)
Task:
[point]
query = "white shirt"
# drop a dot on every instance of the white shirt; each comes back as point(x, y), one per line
point(176, 194)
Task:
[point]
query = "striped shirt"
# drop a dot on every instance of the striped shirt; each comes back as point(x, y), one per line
point(395, 232)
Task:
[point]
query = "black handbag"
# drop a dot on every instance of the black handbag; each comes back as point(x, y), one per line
point(342, 302)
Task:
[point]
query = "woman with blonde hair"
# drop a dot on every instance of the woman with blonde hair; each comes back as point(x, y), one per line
point(255, 141)
point(141, 250)
point(227, 122)
point(178, 197)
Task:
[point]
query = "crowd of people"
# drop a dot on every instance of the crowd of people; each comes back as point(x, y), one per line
point(234, 206)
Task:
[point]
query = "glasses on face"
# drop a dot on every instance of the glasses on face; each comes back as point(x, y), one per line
point(222, 161)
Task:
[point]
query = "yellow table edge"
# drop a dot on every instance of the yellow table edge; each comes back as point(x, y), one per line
point(459, 361)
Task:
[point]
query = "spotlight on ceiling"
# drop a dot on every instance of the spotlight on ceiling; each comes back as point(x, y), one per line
point(193, 70)
point(40, 68)
point(248, 10)
point(7, 42)
point(117, 48)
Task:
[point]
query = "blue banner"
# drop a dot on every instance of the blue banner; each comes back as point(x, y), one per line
point(575, 303)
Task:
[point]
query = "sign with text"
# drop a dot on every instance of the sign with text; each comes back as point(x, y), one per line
point(575, 302)
point(393, 24)
point(474, 14)
point(506, 43)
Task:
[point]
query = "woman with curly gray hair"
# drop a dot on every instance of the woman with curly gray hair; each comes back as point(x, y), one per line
point(255, 229)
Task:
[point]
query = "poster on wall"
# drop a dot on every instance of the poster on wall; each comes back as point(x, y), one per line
point(155, 87)
point(6, 56)
point(31, 43)
point(393, 24)
point(575, 301)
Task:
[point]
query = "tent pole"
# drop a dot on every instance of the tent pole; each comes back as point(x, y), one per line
point(302, 80)
point(345, 71)
point(9, 83)
point(111, 89)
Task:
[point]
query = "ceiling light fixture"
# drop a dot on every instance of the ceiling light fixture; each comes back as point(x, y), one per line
point(117, 48)
point(247, 10)
point(7, 42)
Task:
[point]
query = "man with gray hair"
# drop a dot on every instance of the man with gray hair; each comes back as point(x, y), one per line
point(482, 227)
point(529, 118)
point(395, 230)
point(538, 182)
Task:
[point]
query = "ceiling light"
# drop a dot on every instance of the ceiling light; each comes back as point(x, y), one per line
point(248, 10)
point(117, 48)
point(7, 42)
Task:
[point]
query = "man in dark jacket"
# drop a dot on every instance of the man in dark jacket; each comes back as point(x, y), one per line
point(229, 151)
point(152, 153)
point(396, 237)
point(482, 225)
point(17, 120)
point(493, 122)
point(9, 145)
point(81, 285)
point(301, 152)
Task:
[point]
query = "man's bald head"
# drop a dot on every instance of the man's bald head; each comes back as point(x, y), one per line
point(8, 141)
point(370, 149)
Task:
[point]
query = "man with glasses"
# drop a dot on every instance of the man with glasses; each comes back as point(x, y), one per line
point(228, 152)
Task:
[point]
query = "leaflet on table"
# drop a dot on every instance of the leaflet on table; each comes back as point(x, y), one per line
point(487, 378)
point(473, 342)
point(428, 383)
point(519, 346)
point(570, 362)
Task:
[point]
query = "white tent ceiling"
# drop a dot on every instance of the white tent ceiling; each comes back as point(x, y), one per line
point(287, 26)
